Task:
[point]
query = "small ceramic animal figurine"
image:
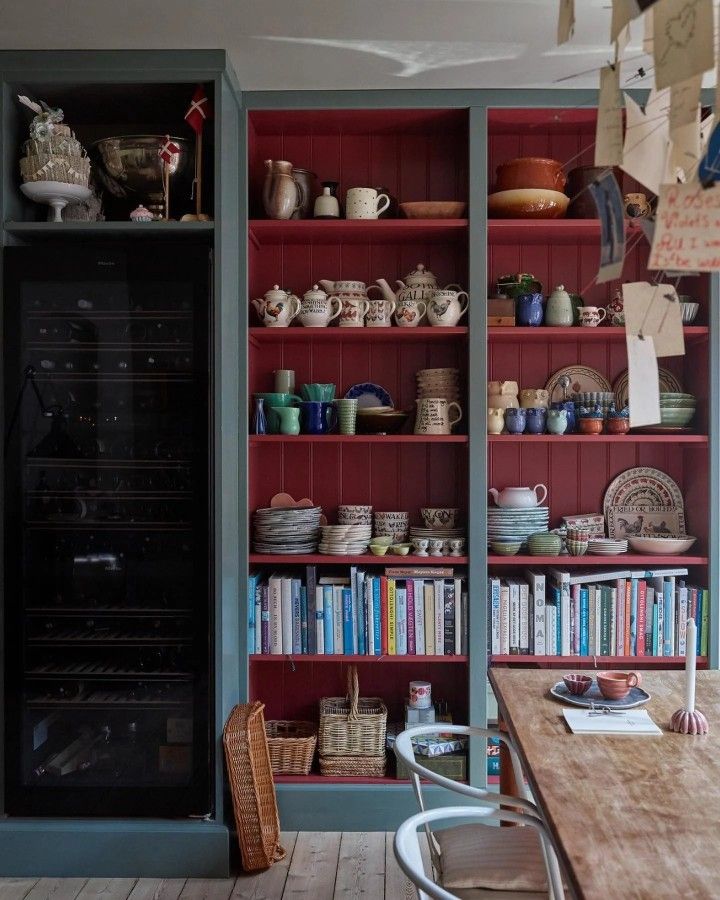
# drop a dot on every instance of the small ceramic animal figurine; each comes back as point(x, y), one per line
point(636, 206)
point(515, 420)
point(495, 420)
point(529, 309)
point(556, 422)
point(616, 309)
point(535, 420)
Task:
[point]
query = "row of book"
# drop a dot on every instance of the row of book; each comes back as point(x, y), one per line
point(611, 613)
point(413, 611)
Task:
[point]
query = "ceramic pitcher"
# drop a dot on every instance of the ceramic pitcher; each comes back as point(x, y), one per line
point(317, 310)
point(495, 420)
point(433, 416)
point(446, 308)
point(409, 312)
point(282, 195)
point(277, 308)
point(503, 393)
point(354, 308)
point(380, 311)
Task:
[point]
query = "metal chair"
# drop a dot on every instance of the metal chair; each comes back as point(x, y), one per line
point(472, 857)
point(409, 856)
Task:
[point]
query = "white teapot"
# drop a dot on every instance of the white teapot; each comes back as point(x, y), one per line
point(278, 308)
point(519, 497)
point(317, 310)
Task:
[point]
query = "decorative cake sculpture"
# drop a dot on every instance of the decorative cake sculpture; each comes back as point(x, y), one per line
point(55, 168)
point(52, 153)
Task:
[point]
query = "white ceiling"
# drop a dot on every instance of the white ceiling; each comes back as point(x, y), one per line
point(338, 44)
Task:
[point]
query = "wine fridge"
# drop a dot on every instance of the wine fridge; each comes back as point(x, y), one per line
point(108, 533)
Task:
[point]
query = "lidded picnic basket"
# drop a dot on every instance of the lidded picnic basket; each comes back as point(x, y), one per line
point(252, 787)
point(352, 733)
point(291, 746)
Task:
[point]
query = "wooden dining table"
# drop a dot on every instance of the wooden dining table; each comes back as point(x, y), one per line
point(631, 816)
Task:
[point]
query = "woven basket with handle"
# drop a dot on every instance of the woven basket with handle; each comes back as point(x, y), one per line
point(352, 725)
point(252, 787)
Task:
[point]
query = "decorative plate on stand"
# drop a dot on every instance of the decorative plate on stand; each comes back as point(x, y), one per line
point(669, 384)
point(643, 502)
point(582, 378)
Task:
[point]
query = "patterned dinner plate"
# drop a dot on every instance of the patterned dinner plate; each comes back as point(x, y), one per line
point(668, 384)
point(636, 697)
point(369, 394)
point(582, 378)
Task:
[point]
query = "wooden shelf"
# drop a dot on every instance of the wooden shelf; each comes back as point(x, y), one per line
point(696, 439)
point(363, 559)
point(544, 334)
point(258, 439)
point(154, 230)
point(599, 662)
point(314, 778)
point(623, 561)
point(334, 334)
point(351, 658)
point(357, 231)
point(548, 231)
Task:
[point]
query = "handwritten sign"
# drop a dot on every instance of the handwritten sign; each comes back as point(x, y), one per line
point(687, 233)
point(609, 129)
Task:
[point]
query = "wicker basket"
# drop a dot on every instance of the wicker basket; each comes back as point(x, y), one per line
point(252, 787)
point(352, 725)
point(347, 766)
point(291, 746)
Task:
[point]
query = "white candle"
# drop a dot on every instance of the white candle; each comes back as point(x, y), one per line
point(690, 662)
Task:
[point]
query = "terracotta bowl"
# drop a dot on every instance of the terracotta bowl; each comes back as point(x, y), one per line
point(616, 685)
point(527, 203)
point(530, 172)
point(434, 209)
point(590, 426)
point(577, 684)
point(617, 426)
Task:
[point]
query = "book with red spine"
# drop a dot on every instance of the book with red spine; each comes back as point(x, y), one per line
point(641, 614)
point(384, 614)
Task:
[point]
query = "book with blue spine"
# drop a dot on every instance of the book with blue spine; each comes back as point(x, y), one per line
point(354, 604)
point(361, 614)
point(369, 620)
point(328, 618)
point(296, 620)
point(376, 616)
point(347, 620)
point(699, 618)
point(656, 640)
point(401, 620)
point(584, 622)
point(265, 626)
point(252, 596)
point(319, 621)
point(303, 619)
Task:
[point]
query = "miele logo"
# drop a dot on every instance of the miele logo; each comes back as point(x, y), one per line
point(106, 262)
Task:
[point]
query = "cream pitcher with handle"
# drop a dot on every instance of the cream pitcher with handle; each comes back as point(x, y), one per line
point(446, 308)
point(519, 497)
point(282, 195)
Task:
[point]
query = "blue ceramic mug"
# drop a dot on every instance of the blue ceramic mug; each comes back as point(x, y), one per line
point(317, 417)
point(529, 309)
point(515, 420)
point(535, 420)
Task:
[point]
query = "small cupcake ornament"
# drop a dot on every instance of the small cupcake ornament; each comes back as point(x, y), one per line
point(141, 214)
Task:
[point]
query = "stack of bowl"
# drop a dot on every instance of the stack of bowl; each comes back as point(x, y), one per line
point(529, 187)
point(688, 309)
point(676, 410)
point(443, 383)
point(591, 399)
point(392, 524)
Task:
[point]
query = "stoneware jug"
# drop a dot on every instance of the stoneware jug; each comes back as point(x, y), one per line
point(282, 195)
point(591, 316)
point(519, 497)
point(354, 308)
point(495, 420)
point(529, 309)
point(446, 308)
point(515, 420)
point(556, 421)
point(559, 311)
point(277, 308)
point(533, 397)
point(317, 417)
point(289, 417)
point(503, 394)
point(409, 313)
point(317, 310)
point(433, 416)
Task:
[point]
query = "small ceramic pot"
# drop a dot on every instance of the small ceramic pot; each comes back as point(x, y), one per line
point(515, 420)
point(576, 548)
point(421, 546)
point(616, 309)
point(437, 547)
point(529, 310)
point(617, 425)
point(409, 313)
point(535, 420)
point(439, 516)
point(577, 684)
point(617, 685)
point(502, 394)
point(636, 206)
point(530, 172)
point(559, 309)
point(588, 425)
point(457, 546)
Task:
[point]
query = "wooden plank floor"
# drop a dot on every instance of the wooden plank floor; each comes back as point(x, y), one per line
point(318, 866)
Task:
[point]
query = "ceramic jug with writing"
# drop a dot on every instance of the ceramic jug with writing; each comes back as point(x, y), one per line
point(446, 308)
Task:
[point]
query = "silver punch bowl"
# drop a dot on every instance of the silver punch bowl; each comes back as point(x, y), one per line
point(131, 167)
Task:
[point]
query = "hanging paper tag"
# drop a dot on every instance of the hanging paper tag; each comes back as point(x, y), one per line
point(609, 202)
point(653, 310)
point(643, 381)
point(566, 21)
point(609, 128)
point(683, 40)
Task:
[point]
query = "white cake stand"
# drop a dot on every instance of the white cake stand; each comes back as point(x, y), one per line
point(57, 194)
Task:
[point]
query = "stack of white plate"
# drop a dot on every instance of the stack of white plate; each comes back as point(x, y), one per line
point(606, 546)
point(438, 383)
point(505, 524)
point(345, 540)
point(287, 529)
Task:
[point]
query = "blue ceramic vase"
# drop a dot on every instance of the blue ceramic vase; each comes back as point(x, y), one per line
point(529, 309)
point(535, 420)
point(259, 419)
point(515, 420)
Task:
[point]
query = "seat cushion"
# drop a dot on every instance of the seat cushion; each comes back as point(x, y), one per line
point(500, 859)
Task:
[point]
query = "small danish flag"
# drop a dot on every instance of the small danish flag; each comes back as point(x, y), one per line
point(168, 150)
point(199, 111)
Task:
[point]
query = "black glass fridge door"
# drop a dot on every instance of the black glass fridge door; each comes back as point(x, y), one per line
point(107, 588)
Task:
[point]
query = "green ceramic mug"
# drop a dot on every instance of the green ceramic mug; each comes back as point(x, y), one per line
point(289, 417)
point(275, 399)
point(324, 393)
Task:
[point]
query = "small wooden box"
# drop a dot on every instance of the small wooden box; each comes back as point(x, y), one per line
point(501, 311)
point(451, 765)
